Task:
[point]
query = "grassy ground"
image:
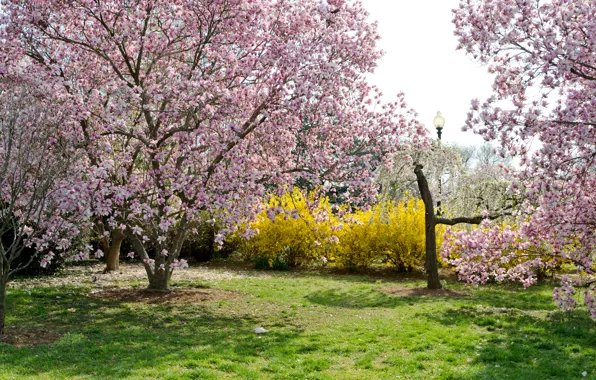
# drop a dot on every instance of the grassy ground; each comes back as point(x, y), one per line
point(321, 326)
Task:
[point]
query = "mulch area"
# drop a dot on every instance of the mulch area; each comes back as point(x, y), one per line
point(28, 338)
point(175, 296)
point(424, 292)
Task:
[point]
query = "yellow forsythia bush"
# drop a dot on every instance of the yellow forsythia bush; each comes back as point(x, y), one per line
point(307, 230)
point(392, 232)
point(299, 231)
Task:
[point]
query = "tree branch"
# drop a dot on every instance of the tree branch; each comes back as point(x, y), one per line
point(470, 220)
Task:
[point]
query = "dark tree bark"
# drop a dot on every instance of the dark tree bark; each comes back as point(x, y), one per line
point(2, 306)
point(113, 251)
point(432, 266)
point(431, 220)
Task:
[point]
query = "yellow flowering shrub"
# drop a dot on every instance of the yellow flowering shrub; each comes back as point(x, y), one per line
point(392, 233)
point(295, 229)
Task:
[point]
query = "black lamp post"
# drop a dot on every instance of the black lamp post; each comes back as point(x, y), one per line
point(439, 122)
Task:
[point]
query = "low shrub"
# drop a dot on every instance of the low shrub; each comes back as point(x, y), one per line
point(391, 233)
point(280, 262)
point(295, 229)
point(510, 252)
point(200, 243)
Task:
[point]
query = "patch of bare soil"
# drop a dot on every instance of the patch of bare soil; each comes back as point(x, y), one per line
point(424, 292)
point(93, 275)
point(176, 295)
point(28, 338)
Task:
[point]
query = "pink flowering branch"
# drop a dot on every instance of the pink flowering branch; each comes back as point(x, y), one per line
point(187, 108)
point(536, 49)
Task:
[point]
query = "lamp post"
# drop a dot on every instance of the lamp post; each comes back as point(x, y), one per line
point(439, 122)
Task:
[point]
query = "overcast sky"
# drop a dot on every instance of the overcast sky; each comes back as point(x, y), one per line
point(421, 60)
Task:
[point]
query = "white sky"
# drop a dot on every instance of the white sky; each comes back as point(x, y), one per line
point(421, 60)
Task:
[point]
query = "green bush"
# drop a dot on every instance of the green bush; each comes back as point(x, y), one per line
point(200, 243)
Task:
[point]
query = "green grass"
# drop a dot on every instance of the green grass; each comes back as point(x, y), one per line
point(321, 327)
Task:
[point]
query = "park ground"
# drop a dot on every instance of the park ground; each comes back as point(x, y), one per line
point(321, 325)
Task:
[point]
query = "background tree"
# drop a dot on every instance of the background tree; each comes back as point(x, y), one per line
point(544, 60)
point(198, 106)
point(35, 197)
point(485, 156)
point(477, 193)
point(441, 162)
point(482, 183)
point(467, 153)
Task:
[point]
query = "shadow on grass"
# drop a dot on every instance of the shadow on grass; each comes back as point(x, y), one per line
point(537, 298)
point(365, 275)
point(514, 296)
point(523, 346)
point(361, 298)
point(112, 339)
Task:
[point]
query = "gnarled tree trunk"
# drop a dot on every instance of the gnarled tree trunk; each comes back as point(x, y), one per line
point(432, 267)
point(160, 278)
point(159, 271)
point(113, 251)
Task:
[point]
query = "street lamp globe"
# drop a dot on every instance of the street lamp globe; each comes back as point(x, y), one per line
point(439, 122)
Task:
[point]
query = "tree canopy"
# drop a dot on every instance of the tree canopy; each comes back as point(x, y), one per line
point(189, 106)
point(543, 55)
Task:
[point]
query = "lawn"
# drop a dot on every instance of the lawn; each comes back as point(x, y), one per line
point(321, 326)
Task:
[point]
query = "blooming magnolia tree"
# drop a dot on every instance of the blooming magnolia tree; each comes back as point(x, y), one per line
point(36, 198)
point(187, 107)
point(543, 54)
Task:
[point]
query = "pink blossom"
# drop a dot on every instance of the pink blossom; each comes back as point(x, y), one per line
point(218, 129)
point(532, 55)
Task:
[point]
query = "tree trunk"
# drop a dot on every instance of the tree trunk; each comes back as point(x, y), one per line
point(113, 254)
point(431, 252)
point(432, 267)
point(142, 252)
point(3, 283)
point(158, 270)
point(160, 280)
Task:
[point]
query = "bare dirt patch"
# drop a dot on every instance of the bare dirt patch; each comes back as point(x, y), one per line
point(424, 292)
point(92, 275)
point(176, 295)
point(28, 338)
